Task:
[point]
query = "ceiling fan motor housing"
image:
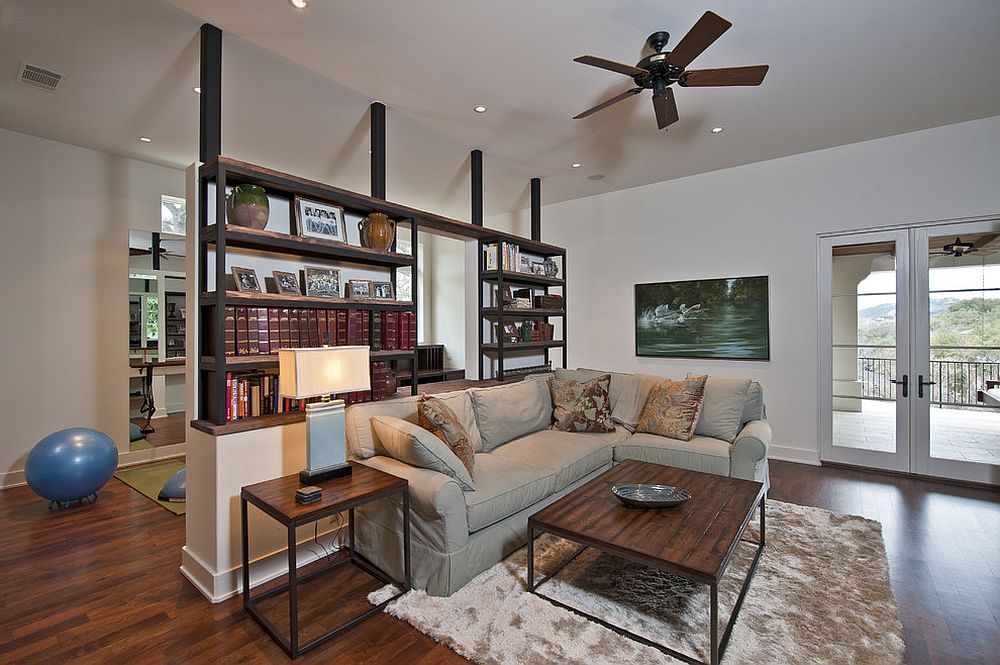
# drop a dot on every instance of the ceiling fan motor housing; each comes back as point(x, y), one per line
point(657, 68)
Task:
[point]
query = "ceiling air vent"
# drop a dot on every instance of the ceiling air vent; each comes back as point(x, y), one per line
point(38, 77)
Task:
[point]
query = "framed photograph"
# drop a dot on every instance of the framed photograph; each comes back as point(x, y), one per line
point(537, 268)
point(359, 288)
point(509, 333)
point(287, 283)
point(704, 318)
point(383, 291)
point(246, 279)
point(323, 282)
point(525, 265)
point(319, 220)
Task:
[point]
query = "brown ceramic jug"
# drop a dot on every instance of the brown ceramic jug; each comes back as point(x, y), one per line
point(377, 231)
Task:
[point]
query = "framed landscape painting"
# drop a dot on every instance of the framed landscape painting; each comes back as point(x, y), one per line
point(703, 318)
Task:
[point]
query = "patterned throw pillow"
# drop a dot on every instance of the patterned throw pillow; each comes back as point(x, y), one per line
point(581, 407)
point(672, 408)
point(436, 417)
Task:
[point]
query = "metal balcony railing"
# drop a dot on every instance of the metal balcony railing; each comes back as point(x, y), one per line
point(956, 381)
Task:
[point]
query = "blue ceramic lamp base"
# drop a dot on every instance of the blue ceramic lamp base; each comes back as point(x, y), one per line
point(326, 442)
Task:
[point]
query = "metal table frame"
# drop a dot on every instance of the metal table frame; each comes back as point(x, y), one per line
point(718, 647)
point(291, 645)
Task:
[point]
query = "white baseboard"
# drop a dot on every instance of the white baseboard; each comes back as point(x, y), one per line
point(797, 455)
point(220, 586)
point(12, 479)
point(125, 459)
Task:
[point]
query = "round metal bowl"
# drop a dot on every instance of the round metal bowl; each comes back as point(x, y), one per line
point(650, 496)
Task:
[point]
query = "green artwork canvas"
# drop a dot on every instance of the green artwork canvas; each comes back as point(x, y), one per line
point(703, 318)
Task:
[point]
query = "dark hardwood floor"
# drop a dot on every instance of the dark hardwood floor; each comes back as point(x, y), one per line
point(100, 584)
point(169, 431)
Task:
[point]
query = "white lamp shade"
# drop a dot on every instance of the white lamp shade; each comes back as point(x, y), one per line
point(325, 370)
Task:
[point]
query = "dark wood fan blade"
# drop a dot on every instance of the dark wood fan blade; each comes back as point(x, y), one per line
point(610, 65)
point(708, 28)
point(752, 75)
point(665, 108)
point(605, 104)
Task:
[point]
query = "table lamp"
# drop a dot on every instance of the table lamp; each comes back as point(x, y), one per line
point(321, 372)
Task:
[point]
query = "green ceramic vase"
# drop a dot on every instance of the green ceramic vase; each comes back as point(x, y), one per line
point(247, 205)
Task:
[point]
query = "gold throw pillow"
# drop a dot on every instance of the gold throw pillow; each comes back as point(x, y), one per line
point(672, 408)
point(436, 417)
point(581, 407)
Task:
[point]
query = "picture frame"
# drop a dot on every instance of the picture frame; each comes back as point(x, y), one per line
point(320, 220)
point(724, 319)
point(525, 265)
point(246, 279)
point(383, 291)
point(322, 282)
point(537, 268)
point(508, 334)
point(287, 283)
point(359, 288)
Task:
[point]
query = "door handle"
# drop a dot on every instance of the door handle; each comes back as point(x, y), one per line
point(921, 383)
point(905, 383)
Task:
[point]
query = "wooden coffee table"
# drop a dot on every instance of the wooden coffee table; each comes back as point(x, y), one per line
point(695, 540)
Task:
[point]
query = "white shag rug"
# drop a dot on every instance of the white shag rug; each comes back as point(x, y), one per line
point(820, 595)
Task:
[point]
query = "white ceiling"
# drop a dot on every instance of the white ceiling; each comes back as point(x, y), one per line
point(297, 85)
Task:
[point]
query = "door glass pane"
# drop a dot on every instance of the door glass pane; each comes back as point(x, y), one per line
point(964, 312)
point(864, 346)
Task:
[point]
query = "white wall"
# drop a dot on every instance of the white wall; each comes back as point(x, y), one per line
point(66, 212)
point(444, 308)
point(752, 220)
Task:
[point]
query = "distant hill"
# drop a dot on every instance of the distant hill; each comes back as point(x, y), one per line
point(888, 309)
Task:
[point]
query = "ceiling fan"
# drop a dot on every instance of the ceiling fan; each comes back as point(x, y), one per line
point(660, 70)
point(958, 249)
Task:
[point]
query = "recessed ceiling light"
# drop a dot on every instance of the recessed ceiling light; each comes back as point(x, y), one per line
point(145, 139)
point(718, 130)
point(197, 89)
point(576, 165)
point(479, 109)
point(596, 176)
point(299, 4)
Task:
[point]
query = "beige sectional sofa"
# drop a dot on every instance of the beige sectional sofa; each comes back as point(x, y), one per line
point(521, 466)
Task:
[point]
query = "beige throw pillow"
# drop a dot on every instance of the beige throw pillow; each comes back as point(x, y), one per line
point(406, 442)
point(436, 417)
point(581, 406)
point(672, 408)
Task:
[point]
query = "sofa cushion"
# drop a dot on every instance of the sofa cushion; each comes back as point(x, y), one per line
point(569, 456)
point(628, 392)
point(503, 413)
point(503, 487)
point(672, 408)
point(722, 407)
point(438, 419)
point(581, 406)
point(754, 407)
point(698, 454)
point(361, 436)
point(406, 442)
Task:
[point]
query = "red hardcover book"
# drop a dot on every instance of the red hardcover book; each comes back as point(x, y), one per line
point(230, 331)
point(253, 331)
point(264, 340)
point(314, 327)
point(413, 330)
point(284, 328)
point(293, 321)
point(390, 331)
point(404, 331)
point(273, 329)
point(366, 322)
point(342, 317)
point(324, 327)
point(242, 341)
point(354, 321)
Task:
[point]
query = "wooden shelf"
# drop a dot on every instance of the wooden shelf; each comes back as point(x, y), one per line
point(249, 424)
point(240, 363)
point(523, 312)
point(250, 299)
point(523, 278)
point(282, 243)
point(242, 172)
point(517, 346)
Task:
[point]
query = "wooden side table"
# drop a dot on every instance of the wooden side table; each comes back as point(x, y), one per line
point(277, 499)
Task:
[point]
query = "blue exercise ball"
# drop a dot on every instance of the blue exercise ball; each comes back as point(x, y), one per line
point(71, 464)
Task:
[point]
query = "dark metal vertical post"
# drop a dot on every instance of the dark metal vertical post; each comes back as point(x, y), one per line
point(479, 321)
point(377, 113)
point(155, 250)
point(219, 352)
point(536, 209)
point(210, 138)
point(414, 288)
point(477, 187)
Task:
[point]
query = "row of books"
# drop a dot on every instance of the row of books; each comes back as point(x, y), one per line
point(255, 393)
point(252, 331)
point(506, 252)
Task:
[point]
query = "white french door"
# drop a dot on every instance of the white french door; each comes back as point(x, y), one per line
point(909, 342)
